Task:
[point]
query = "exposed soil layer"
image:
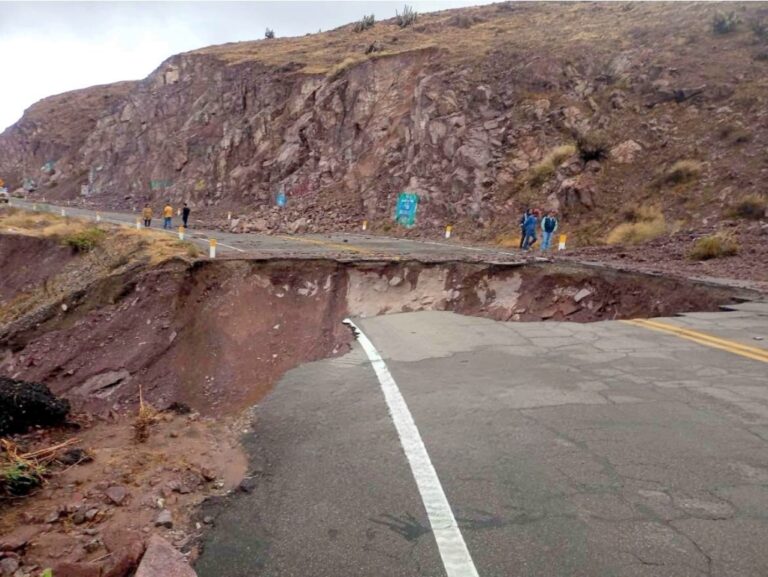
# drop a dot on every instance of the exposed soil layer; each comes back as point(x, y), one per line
point(217, 334)
point(26, 261)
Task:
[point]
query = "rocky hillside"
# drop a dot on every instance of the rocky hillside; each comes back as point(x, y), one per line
point(591, 109)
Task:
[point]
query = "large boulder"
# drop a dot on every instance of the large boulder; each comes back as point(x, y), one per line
point(162, 560)
point(24, 405)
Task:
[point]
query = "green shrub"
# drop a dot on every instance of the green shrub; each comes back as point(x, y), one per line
point(723, 23)
point(681, 172)
point(85, 240)
point(365, 23)
point(269, 34)
point(713, 246)
point(751, 207)
point(760, 29)
point(407, 18)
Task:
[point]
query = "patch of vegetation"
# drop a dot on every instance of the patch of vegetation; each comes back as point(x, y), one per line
point(681, 172)
point(191, 249)
point(725, 23)
point(759, 28)
point(269, 34)
point(644, 223)
point(593, 145)
point(751, 207)
point(85, 240)
point(365, 23)
point(545, 169)
point(407, 18)
point(735, 133)
point(713, 246)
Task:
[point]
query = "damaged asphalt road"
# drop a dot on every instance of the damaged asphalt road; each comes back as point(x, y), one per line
point(563, 449)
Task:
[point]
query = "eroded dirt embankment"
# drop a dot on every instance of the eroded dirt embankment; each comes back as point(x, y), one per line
point(217, 334)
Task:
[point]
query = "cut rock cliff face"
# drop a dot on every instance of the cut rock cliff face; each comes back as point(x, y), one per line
point(467, 108)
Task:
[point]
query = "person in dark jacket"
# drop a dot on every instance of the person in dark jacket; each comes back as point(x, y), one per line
point(185, 214)
point(548, 228)
point(531, 223)
point(522, 227)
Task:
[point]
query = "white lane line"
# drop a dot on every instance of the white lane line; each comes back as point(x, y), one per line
point(453, 551)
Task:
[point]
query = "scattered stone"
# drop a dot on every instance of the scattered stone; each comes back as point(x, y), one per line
point(92, 545)
point(68, 569)
point(162, 560)
point(179, 408)
point(208, 520)
point(164, 519)
point(8, 566)
point(116, 494)
point(207, 474)
point(18, 538)
point(91, 514)
point(248, 484)
point(74, 456)
point(127, 547)
point(78, 518)
point(581, 295)
point(52, 517)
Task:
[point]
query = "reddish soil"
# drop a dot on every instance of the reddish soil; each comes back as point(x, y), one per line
point(96, 515)
point(33, 260)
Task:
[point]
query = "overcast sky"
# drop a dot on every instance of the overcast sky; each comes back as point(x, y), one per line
point(50, 47)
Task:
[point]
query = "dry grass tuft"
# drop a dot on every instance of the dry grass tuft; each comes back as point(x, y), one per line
point(714, 246)
point(508, 241)
point(146, 417)
point(545, 169)
point(21, 473)
point(682, 172)
point(752, 207)
point(644, 223)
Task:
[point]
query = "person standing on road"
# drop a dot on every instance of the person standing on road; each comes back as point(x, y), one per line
point(530, 229)
point(185, 214)
point(523, 218)
point(167, 216)
point(146, 214)
point(548, 228)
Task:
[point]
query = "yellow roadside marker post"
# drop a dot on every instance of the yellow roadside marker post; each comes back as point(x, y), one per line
point(561, 244)
point(448, 230)
point(365, 225)
point(212, 248)
point(138, 223)
point(98, 217)
point(181, 233)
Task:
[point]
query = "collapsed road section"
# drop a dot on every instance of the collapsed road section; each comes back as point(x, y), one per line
point(217, 334)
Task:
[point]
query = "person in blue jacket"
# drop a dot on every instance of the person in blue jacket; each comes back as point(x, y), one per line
point(531, 222)
point(548, 228)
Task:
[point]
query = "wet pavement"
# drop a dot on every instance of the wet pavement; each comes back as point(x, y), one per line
point(563, 449)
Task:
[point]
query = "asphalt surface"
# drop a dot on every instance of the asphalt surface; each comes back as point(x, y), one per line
point(605, 449)
point(338, 245)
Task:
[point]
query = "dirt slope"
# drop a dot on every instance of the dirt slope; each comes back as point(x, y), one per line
point(581, 107)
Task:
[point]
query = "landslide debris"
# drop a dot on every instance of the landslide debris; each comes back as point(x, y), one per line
point(24, 405)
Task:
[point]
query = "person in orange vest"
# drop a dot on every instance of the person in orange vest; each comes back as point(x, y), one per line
point(146, 214)
point(167, 216)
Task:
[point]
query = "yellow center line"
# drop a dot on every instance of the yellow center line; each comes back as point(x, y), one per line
point(337, 246)
point(734, 347)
